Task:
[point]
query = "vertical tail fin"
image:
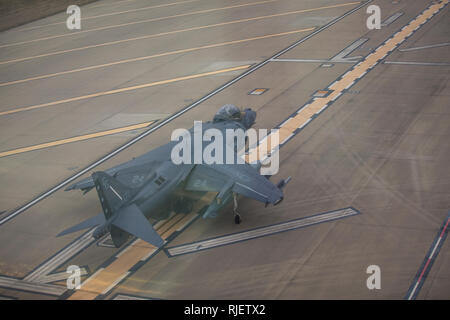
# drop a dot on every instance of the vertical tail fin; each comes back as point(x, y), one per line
point(126, 218)
point(113, 195)
point(111, 192)
point(120, 217)
point(132, 220)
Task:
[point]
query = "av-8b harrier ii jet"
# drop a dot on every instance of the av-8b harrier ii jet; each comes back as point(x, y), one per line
point(152, 186)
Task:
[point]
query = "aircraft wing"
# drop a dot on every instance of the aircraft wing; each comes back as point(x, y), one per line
point(239, 178)
point(131, 172)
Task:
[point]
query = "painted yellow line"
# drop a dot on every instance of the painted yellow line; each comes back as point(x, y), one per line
point(137, 251)
point(174, 32)
point(305, 114)
point(121, 90)
point(45, 76)
point(107, 277)
point(75, 139)
point(135, 22)
point(84, 18)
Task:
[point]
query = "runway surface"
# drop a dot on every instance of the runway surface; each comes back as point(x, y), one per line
point(364, 125)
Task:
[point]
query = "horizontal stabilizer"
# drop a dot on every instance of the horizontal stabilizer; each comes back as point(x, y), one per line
point(91, 222)
point(131, 220)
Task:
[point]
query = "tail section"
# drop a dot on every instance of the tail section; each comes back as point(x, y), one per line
point(132, 220)
point(111, 192)
point(91, 222)
point(119, 217)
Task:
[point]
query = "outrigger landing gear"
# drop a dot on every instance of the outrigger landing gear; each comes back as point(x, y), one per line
point(237, 217)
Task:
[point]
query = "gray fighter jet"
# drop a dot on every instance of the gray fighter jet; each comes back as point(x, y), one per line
point(152, 186)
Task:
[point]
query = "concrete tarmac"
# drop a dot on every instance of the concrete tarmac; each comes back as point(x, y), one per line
point(380, 147)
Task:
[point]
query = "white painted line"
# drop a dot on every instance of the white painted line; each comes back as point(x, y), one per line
point(413, 291)
point(305, 106)
point(306, 122)
point(341, 55)
point(115, 192)
point(362, 74)
point(127, 248)
point(349, 85)
point(78, 245)
point(284, 141)
point(115, 282)
point(391, 19)
point(284, 122)
point(426, 47)
point(321, 109)
point(18, 284)
point(314, 60)
point(127, 297)
point(442, 64)
point(148, 255)
point(435, 247)
point(92, 277)
point(59, 276)
point(337, 96)
point(260, 232)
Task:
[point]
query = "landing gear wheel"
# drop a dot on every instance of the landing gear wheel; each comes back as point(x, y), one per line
point(237, 219)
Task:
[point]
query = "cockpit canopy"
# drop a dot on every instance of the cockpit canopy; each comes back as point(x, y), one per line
point(230, 112)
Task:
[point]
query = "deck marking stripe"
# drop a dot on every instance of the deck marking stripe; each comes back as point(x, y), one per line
point(115, 282)
point(412, 63)
point(426, 47)
point(259, 232)
point(119, 269)
point(349, 49)
point(121, 90)
point(60, 276)
point(427, 264)
point(73, 248)
point(169, 119)
point(315, 60)
point(168, 53)
point(121, 296)
point(83, 19)
point(391, 19)
point(22, 285)
point(131, 23)
point(350, 77)
point(177, 31)
point(75, 139)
